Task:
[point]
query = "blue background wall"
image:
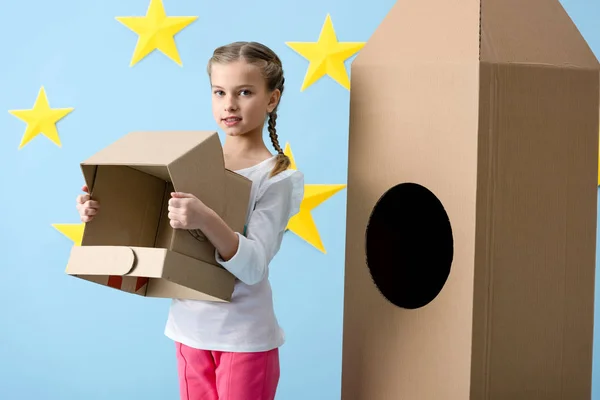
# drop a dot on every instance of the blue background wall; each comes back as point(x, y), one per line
point(63, 338)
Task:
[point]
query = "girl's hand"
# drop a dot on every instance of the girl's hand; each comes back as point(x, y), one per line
point(86, 207)
point(186, 211)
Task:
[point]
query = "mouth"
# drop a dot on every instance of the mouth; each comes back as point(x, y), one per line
point(230, 121)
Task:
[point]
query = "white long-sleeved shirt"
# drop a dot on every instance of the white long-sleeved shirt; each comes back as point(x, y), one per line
point(248, 322)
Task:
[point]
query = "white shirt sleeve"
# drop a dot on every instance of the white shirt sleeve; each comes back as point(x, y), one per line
point(278, 201)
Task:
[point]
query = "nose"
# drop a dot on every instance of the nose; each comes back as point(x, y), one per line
point(231, 106)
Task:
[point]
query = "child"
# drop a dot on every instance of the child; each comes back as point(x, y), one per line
point(230, 350)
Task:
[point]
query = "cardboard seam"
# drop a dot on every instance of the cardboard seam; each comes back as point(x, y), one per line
point(492, 169)
point(480, 30)
point(563, 66)
point(565, 274)
point(564, 293)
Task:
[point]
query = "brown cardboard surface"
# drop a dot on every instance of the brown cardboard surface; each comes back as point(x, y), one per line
point(161, 272)
point(130, 244)
point(487, 246)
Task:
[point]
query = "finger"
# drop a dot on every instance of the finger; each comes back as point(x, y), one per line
point(177, 211)
point(173, 216)
point(85, 188)
point(89, 211)
point(179, 204)
point(86, 218)
point(182, 195)
point(82, 198)
point(92, 204)
point(176, 224)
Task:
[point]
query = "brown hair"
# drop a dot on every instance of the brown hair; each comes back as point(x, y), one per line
point(260, 55)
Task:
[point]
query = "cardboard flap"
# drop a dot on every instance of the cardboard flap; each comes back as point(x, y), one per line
point(192, 160)
point(89, 175)
point(149, 148)
point(100, 260)
point(201, 172)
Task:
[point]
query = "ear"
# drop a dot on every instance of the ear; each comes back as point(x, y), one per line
point(273, 100)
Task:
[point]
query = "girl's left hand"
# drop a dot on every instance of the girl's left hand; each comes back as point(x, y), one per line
point(186, 211)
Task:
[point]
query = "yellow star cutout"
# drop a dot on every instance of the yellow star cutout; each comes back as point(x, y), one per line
point(326, 56)
point(71, 231)
point(303, 224)
point(156, 31)
point(41, 119)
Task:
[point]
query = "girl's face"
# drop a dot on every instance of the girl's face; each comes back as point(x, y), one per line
point(240, 100)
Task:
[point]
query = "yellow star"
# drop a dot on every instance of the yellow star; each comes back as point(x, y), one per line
point(303, 224)
point(41, 119)
point(326, 56)
point(156, 31)
point(71, 231)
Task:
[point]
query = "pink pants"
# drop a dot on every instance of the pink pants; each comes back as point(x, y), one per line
point(215, 375)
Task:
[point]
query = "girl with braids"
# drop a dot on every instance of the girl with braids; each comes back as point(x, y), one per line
point(230, 350)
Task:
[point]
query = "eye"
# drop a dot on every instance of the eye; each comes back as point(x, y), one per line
point(245, 93)
point(218, 92)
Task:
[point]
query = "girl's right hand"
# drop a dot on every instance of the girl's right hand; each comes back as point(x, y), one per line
point(86, 207)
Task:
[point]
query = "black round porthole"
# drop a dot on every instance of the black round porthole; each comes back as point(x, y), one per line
point(409, 245)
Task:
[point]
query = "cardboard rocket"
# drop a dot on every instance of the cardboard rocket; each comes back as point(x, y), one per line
point(472, 189)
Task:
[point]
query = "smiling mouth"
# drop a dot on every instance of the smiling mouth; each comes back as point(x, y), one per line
point(231, 121)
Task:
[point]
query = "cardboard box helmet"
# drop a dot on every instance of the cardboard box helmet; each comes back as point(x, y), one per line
point(471, 213)
point(130, 244)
